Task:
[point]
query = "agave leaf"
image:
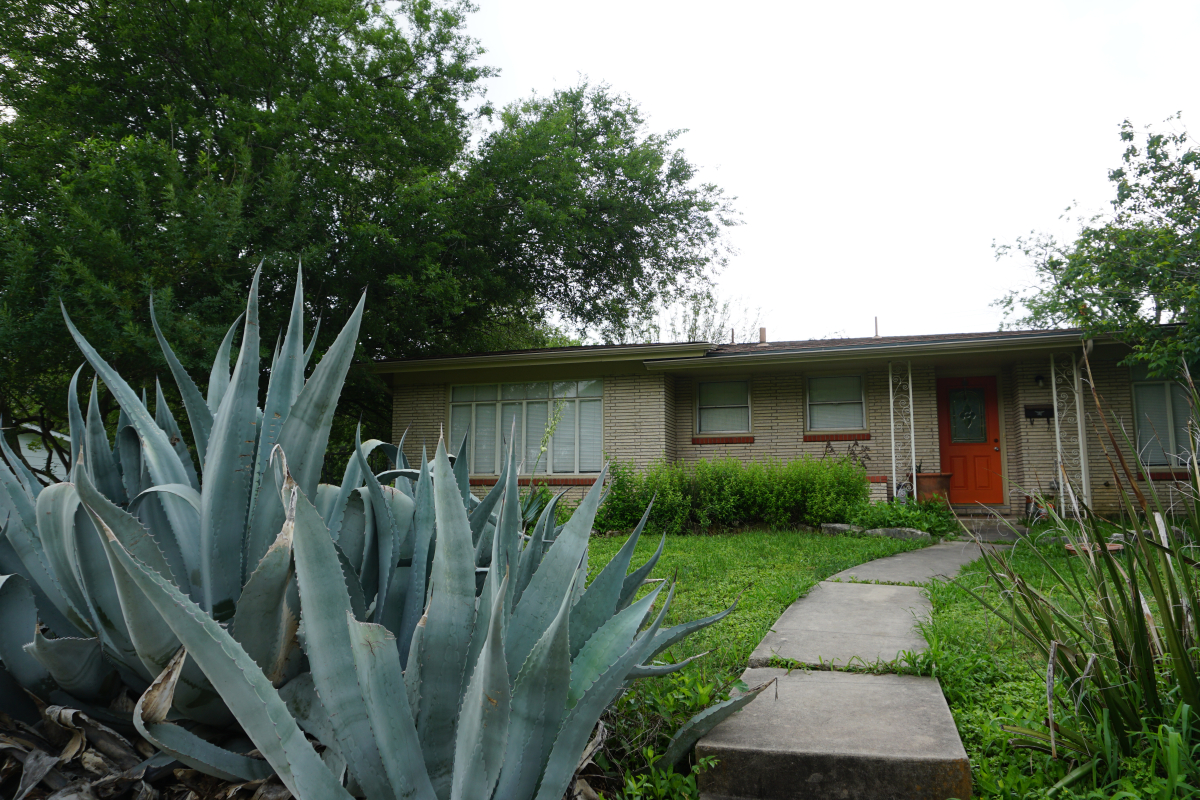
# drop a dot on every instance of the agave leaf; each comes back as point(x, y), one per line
point(263, 624)
point(483, 723)
point(15, 701)
point(531, 556)
point(76, 665)
point(20, 531)
point(181, 490)
point(284, 385)
point(305, 434)
point(90, 563)
point(670, 636)
point(353, 530)
point(305, 706)
point(539, 703)
point(56, 508)
point(326, 496)
point(129, 449)
point(698, 726)
point(358, 600)
point(20, 617)
point(229, 476)
point(152, 638)
point(658, 670)
point(312, 343)
point(199, 415)
point(607, 644)
point(423, 535)
point(75, 417)
point(166, 421)
point(255, 703)
point(582, 718)
point(30, 484)
point(98, 453)
point(325, 603)
point(390, 528)
point(149, 717)
point(462, 470)
point(368, 566)
point(218, 379)
point(451, 617)
point(160, 457)
point(481, 514)
point(635, 579)
point(383, 691)
point(599, 602)
point(553, 578)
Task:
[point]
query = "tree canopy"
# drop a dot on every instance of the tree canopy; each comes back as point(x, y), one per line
point(166, 149)
point(1135, 272)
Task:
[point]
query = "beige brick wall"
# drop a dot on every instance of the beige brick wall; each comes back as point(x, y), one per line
point(636, 422)
point(421, 409)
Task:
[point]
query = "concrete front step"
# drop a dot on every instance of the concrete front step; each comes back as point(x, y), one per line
point(837, 736)
point(846, 624)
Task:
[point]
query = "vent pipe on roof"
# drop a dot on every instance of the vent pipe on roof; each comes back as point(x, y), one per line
point(762, 335)
point(877, 327)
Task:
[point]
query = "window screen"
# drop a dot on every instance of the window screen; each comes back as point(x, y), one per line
point(835, 403)
point(724, 407)
point(1161, 423)
point(492, 415)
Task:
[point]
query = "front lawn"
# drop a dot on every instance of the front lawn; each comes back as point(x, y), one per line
point(770, 569)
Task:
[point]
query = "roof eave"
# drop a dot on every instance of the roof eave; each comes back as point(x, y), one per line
point(687, 351)
point(1025, 342)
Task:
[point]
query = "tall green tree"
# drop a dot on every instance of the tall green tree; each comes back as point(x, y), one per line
point(1134, 272)
point(166, 149)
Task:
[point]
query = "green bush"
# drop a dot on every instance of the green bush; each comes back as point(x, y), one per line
point(933, 516)
point(726, 493)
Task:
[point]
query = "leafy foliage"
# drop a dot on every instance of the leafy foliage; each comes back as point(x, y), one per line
point(164, 150)
point(933, 516)
point(726, 493)
point(1131, 272)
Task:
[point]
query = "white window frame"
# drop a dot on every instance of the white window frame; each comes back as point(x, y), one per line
point(499, 403)
point(749, 408)
point(1172, 459)
point(862, 390)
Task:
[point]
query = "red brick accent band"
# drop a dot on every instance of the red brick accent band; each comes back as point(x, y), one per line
point(836, 437)
point(1176, 475)
point(547, 481)
point(722, 440)
point(877, 479)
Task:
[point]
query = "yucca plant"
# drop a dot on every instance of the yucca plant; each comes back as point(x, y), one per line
point(428, 643)
point(1118, 630)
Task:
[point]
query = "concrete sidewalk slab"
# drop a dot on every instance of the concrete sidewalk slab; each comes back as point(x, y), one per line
point(837, 624)
point(915, 566)
point(837, 735)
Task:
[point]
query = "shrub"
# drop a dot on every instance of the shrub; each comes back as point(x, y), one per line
point(726, 493)
point(933, 516)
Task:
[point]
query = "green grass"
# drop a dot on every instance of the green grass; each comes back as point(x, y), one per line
point(993, 677)
point(769, 569)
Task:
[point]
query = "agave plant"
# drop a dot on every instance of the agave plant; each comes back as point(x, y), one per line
point(428, 644)
point(208, 527)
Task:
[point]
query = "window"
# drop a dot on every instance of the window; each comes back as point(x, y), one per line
point(1161, 410)
point(836, 403)
point(724, 407)
point(493, 413)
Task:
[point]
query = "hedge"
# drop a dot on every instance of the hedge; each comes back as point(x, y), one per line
point(727, 493)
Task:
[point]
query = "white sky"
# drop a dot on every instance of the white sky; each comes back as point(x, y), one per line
point(877, 149)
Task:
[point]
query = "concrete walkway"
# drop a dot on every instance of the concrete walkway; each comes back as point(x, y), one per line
point(846, 735)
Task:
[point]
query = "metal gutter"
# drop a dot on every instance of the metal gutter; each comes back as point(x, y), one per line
point(686, 351)
point(1039, 341)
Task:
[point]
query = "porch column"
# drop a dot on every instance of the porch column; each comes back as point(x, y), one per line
point(1070, 435)
point(900, 408)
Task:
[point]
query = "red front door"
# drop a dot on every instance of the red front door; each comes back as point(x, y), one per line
point(969, 429)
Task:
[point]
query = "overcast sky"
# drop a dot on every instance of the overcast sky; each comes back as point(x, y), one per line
point(877, 150)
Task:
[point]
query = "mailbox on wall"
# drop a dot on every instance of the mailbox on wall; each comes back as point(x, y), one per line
point(1036, 412)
